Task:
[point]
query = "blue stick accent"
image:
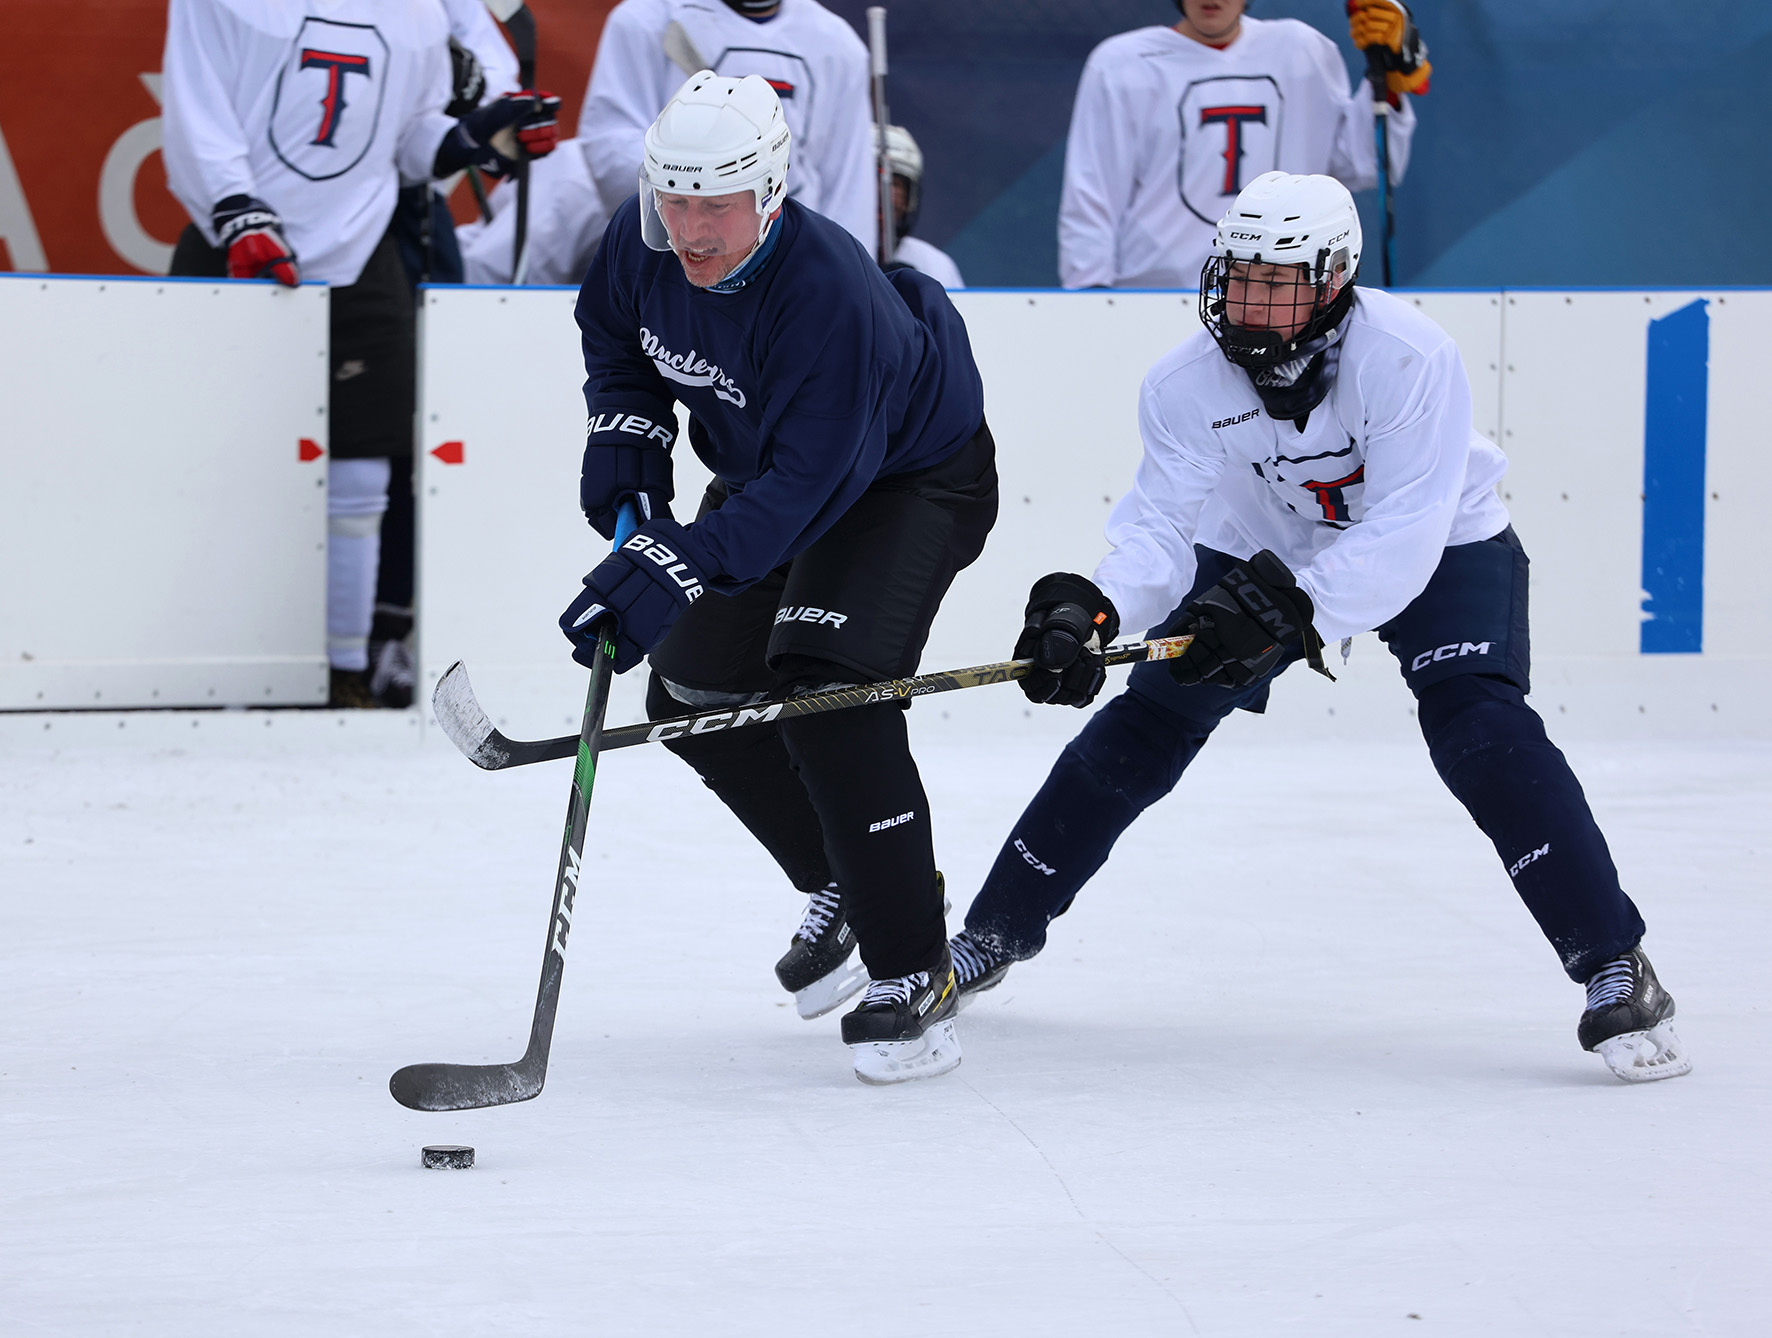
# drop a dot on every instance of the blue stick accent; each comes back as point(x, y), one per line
point(1673, 481)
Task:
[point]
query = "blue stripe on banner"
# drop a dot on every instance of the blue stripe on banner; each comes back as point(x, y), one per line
point(1673, 482)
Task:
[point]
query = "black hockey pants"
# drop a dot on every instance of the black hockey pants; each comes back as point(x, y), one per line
point(837, 797)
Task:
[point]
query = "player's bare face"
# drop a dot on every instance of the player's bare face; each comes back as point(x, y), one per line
point(1280, 298)
point(1215, 22)
point(711, 235)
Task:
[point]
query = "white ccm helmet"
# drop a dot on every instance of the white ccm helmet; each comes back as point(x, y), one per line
point(717, 136)
point(1283, 219)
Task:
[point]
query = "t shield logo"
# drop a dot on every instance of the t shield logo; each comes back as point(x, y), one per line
point(326, 104)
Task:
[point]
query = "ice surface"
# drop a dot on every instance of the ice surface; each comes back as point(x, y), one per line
point(1298, 1062)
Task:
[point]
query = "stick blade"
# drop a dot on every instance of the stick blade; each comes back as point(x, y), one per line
point(464, 1086)
point(467, 726)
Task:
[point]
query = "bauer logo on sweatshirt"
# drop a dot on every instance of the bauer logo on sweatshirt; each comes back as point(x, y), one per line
point(327, 102)
point(690, 369)
point(886, 824)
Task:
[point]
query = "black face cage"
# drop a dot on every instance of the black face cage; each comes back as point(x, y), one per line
point(1252, 348)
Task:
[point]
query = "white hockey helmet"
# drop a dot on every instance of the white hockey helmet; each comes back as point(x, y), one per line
point(716, 136)
point(1284, 219)
point(905, 159)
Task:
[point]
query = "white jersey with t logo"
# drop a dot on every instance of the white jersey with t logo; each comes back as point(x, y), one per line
point(1359, 502)
point(316, 107)
point(1166, 131)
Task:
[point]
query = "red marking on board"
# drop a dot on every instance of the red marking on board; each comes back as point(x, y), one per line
point(309, 449)
point(450, 453)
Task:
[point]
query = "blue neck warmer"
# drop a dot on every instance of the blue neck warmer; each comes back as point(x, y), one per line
point(749, 270)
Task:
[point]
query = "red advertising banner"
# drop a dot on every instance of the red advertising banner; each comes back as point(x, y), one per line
point(82, 188)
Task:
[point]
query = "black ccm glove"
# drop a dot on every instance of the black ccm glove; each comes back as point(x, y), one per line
point(1244, 624)
point(1069, 625)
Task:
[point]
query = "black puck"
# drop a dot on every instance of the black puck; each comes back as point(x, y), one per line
point(448, 1157)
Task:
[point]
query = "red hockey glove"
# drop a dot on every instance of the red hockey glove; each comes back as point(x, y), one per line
point(252, 235)
point(487, 138)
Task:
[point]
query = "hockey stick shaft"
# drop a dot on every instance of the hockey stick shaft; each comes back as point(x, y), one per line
point(521, 27)
point(882, 166)
point(469, 728)
point(1381, 131)
point(473, 1086)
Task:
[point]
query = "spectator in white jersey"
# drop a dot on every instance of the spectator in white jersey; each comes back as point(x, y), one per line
point(286, 137)
point(813, 60)
point(1171, 123)
point(906, 162)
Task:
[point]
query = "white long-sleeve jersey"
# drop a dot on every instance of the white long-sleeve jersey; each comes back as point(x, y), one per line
point(470, 23)
point(1166, 131)
point(1387, 473)
point(813, 60)
point(316, 107)
point(930, 260)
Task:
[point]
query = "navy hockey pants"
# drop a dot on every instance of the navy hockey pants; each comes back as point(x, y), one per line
point(1464, 649)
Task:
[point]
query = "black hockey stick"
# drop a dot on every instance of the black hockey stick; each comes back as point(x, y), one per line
point(1381, 130)
point(471, 1086)
point(882, 165)
point(520, 24)
point(469, 729)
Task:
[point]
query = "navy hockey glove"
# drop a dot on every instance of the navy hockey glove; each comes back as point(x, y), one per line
point(1244, 624)
point(1069, 625)
point(628, 441)
point(487, 138)
point(644, 586)
point(252, 235)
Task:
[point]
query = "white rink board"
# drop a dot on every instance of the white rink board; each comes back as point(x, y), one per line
point(163, 542)
point(1557, 379)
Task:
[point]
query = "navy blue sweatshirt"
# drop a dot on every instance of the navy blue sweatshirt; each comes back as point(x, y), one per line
point(817, 377)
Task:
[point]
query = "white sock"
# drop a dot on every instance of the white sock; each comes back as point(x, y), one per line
point(356, 498)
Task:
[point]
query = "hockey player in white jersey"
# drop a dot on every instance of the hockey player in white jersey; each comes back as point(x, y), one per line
point(1170, 123)
point(1310, 472)
point(288, 128)
point(813, 60)
point(905, 161)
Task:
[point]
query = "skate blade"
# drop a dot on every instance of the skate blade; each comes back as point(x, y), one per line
point(1645, 1056)
point(935, 1052)
point(831, 991)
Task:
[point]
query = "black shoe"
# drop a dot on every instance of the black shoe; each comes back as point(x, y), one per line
point(976, 967)
point(816, 968)
point(1626, 1021)
point(392, 674)
point(903, 1028)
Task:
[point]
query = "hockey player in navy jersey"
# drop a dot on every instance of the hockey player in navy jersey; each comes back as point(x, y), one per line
point(1310, 472)
point(842, 415)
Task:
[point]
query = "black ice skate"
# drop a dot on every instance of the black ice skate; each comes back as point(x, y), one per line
point(816, 967)
point(976, 967)
point(392, 673)
point(903, 1028)
point(1627, 1021)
